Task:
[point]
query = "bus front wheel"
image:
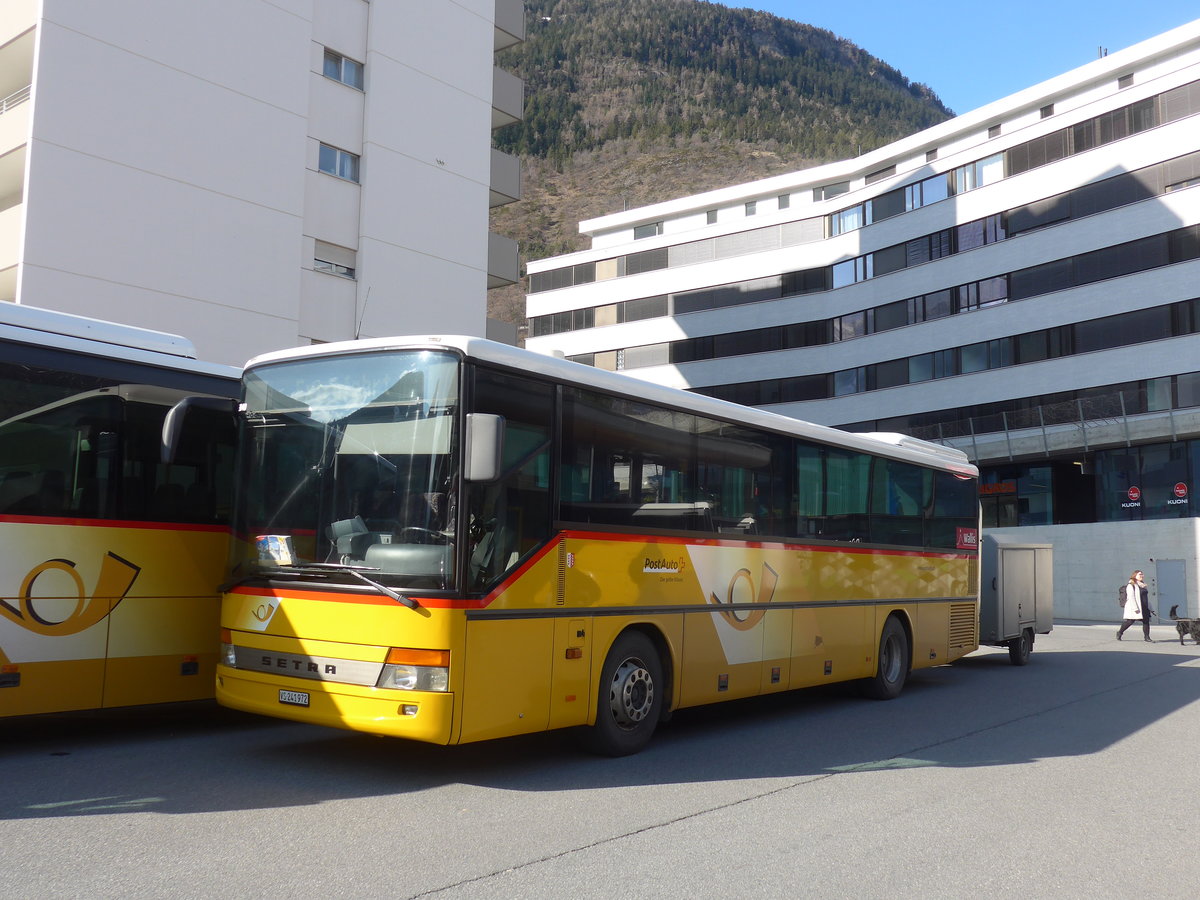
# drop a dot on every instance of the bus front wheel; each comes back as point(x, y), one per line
point(892, 661)
point(630, 699)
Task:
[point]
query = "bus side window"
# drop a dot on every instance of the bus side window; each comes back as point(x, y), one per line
point(197, 485)
point(847, 480)
point(51, 462)
point(955, 507)
point(901, 493)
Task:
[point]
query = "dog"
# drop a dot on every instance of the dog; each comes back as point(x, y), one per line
point(1186, 626)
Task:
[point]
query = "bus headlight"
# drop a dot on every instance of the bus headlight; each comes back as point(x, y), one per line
point(227, 656)
point(415, 670)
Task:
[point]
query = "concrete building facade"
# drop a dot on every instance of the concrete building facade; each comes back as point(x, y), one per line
point(1021, 282)
point(257, 175)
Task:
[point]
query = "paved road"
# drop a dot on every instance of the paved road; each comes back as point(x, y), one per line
point(1075, 776)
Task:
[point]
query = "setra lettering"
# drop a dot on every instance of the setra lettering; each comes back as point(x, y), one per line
point(297, 665)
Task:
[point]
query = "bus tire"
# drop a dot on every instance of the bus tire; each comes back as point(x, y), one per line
point(893, 662)
point(1019, 648)
point(630, 699)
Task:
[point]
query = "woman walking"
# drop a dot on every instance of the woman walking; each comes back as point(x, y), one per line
point(1137, 605)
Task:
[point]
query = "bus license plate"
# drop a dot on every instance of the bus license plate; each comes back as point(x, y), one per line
point(295, 698)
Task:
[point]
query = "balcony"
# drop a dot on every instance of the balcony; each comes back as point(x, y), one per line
point(503, 267)
point(510, 24)
point(19, 16)
point(10, 249)
point(14, 127)
point(505, 183)
point(508, 98)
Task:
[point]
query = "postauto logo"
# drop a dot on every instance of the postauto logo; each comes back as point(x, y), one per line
point(664, 565)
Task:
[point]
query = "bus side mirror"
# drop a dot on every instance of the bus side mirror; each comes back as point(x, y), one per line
point(482, 447)
point(172, 427)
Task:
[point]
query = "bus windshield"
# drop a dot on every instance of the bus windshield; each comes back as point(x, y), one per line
point(350, 461)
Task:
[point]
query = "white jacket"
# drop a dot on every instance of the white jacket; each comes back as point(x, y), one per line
point(1133, 601)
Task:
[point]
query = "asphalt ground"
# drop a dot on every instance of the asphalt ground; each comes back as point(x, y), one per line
point(1073, 776)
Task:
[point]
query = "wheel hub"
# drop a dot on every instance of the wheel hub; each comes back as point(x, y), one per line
point(632, 694)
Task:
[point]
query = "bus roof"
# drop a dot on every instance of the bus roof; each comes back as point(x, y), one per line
point(97, 337)
point(891, 445)
point(68, 325)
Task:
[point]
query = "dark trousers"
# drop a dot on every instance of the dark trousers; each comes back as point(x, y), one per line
point(1145, 620)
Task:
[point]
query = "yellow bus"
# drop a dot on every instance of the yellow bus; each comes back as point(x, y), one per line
point(109, 560)
point(449, 540)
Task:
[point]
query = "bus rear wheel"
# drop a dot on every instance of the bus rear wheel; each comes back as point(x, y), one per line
point(893, 662)
point(630, 699)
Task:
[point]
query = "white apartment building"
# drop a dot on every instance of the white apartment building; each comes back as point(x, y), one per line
point(1021, 282)
point(256, 175)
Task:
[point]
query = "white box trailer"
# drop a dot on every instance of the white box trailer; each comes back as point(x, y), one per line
point(1016, 594)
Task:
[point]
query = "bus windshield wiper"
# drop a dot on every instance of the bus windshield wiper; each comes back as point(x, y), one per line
point(355, 572)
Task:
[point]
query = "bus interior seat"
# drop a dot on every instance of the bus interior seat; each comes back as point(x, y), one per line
point(745, 525)
point(677, 516)
point(349, 536)
point(494, 553)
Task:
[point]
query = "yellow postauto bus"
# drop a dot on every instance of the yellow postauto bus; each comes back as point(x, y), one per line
point(449, 540)
point(110, 560)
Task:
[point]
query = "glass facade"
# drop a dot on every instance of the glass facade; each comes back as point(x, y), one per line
point(1149, 482)
point(1153, 481)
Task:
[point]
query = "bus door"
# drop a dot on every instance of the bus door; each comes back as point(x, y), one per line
point(509, 645)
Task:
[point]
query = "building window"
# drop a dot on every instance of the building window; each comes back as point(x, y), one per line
point(828, 191)
point(994, 131)
point(785, 201)
point(751, 207)
point(347, 71)
point(847, 220)
point(334, 260)
point(325, 265)
point(931, 155)
point(338, 163)
point(653, 229)
point(880, 174)
point(1047, 111)
point(711, 216)
point(1125, 81)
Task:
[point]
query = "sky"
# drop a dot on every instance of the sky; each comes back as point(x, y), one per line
point(971, 53)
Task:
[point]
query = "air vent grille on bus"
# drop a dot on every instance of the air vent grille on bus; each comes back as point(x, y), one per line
point(963, 632)
point(560, 598)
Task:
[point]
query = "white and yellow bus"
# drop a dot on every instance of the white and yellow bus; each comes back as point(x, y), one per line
point(109, 559)
point(449, 540)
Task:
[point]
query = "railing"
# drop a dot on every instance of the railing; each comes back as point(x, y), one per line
point(1084, 416)
point(16, 98)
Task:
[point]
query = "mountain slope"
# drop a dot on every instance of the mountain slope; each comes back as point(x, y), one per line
point(630, 102)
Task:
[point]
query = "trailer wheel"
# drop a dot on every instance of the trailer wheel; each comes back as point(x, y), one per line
point(630, 698)
point(893, 662)
point(1019, 648)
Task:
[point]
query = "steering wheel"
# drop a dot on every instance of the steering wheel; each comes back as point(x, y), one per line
point(415, 534)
